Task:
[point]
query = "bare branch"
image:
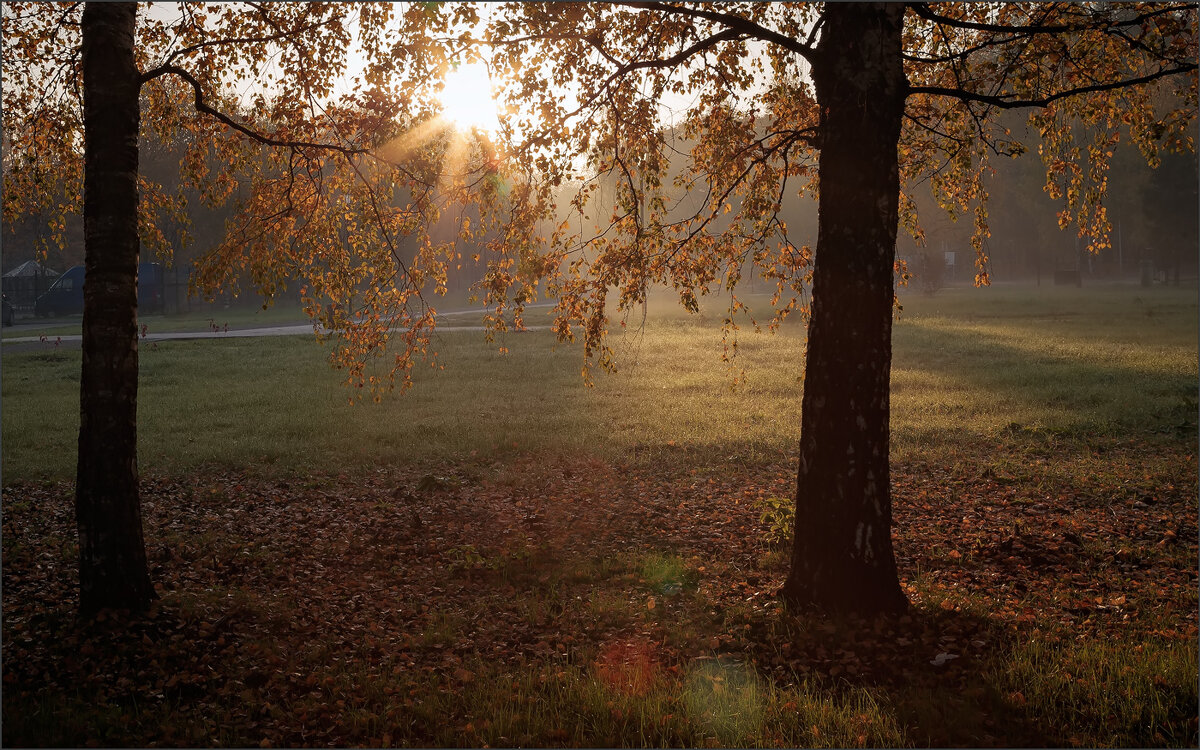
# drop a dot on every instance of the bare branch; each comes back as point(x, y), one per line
point(1011, 102)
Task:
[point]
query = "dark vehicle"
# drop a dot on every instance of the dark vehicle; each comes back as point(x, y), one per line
point(8, 311)
point(150, 287)
point(65, 296)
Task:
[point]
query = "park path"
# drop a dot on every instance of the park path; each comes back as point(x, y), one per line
point(297, 329)
point(290, 330)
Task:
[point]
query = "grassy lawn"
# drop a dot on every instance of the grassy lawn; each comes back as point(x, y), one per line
point(504, 556)
point(972, 369)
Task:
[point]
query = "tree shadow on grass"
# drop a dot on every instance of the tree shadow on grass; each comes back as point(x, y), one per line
point(978, 679)
point(1084, 395)
point(933, 669)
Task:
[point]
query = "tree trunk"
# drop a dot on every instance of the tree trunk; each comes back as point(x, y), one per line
point(842, 559)
point(112, 555)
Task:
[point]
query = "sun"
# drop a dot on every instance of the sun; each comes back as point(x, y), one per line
point(467, 101)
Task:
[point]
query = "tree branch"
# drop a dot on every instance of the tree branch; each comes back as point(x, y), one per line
point(1028, 31)
point(203, 106)
point(184, 51)
point(923, 10)
point(1008, 102)
point(682, 55)
point(730, 21)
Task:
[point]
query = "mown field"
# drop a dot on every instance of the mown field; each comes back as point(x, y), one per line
point(504, 556)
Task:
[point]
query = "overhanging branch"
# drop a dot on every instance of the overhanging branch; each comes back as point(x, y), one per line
point(923, 10)
point(1003, 101)
point(203, 106)
point(730, 21)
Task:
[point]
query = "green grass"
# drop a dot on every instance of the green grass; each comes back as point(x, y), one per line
point(1091, 389)
point(717, 703)
point(972, 368)
point(275, 404)
point(1062, 363)
point(668, 574)
point(1133, 691)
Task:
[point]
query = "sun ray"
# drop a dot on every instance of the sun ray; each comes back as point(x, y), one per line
point(401, 146)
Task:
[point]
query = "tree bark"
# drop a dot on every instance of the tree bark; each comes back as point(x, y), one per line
point(112, 554)
point(842, 558)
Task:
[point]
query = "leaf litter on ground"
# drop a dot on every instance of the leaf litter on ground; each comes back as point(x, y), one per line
point(289, 608)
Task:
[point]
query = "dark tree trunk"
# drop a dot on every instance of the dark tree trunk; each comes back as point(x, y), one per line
point(843, 559)
point(112, 554)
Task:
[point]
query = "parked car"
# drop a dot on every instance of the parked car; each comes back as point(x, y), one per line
point(65, 296)
point(8, 312)
point(150, 287)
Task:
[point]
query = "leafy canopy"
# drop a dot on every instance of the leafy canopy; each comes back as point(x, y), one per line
point(640, 144)
point(675, 135)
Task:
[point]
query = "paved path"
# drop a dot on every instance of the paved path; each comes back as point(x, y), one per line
point(292, 330)
point(299, 329)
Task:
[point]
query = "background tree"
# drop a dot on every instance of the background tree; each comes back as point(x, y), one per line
point(289, 112)
point(1169, 202)
point(858, 103)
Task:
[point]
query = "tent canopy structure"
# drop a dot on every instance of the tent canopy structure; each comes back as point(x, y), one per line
point(29, 268)
point(25, 283)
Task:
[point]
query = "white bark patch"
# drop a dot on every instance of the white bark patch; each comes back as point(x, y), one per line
point(858, 537)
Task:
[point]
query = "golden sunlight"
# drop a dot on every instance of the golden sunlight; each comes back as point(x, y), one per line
point(467, 99)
